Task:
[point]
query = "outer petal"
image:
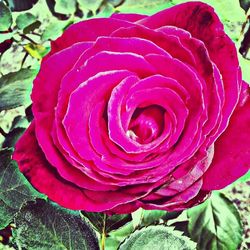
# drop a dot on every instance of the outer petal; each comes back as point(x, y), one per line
point(45, 178)
point(42, 175)
point(87, 31)
point(128, 17)
point(232, 149)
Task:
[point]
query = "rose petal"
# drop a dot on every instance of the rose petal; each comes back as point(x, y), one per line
point(191, 81)
point(43, 109)
point(76, 120)
point(128, 16)
point(232, 149)
point(177, 201)
point(171, 44)
point(202, 22)
point(43, 176)
point(87, 30)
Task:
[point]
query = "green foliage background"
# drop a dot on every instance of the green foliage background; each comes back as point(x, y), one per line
point(28, 220)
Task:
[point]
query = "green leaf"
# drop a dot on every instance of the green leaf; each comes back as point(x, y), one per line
point(24, 20)
point(5, 17)
point(111, 243)
point(54, 30)
point(92, 5)
point(137, 217)
point(106, 10)
point(179, 221)
point(244, 49)
point(19, 122)
point(143, 217)
point(150, 217)
point(18, 127)
point(20, 5)
point(244, 52)
point(114, 238)
point(157, 238)
point(215, 224)
point(15, 88)
point(12, 137)
point(15, 190)
point(107, 223)
point(116, 3)
point(44, 225)
point(65, 6)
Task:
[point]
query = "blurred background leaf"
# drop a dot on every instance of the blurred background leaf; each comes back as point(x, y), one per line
point(245, 4)
point(5, 17)
point(65, 6)
point(21, 5)
point(37, 51)
point(54, 30)
point(19, 124)
point(92, 5)
point(24, 20)
point(15, 88)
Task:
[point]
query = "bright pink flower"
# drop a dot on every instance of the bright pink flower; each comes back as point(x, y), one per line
point(138, 111)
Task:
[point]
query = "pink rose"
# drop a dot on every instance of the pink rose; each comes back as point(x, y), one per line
point(138, 111)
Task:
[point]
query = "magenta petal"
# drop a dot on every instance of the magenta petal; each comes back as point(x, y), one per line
point(176, 201)
point(171, 44)
point(124, 208)
point(87, 30)
point(43, 109)
point(128, 17)
point(50, 75)
point(43, 176)
point(202, 22)
point(232, 149)
point(77, 117)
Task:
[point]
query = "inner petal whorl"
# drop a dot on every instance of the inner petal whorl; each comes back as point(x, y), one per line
point(146, 124)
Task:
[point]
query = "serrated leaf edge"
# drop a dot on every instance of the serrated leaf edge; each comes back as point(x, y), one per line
point(170, 230)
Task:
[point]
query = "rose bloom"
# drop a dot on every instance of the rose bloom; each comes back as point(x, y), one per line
point(138, 111)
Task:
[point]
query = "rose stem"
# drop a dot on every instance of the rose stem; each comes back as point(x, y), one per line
point(103, 236)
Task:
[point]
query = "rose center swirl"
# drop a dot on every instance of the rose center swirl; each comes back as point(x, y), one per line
point(146, 124)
